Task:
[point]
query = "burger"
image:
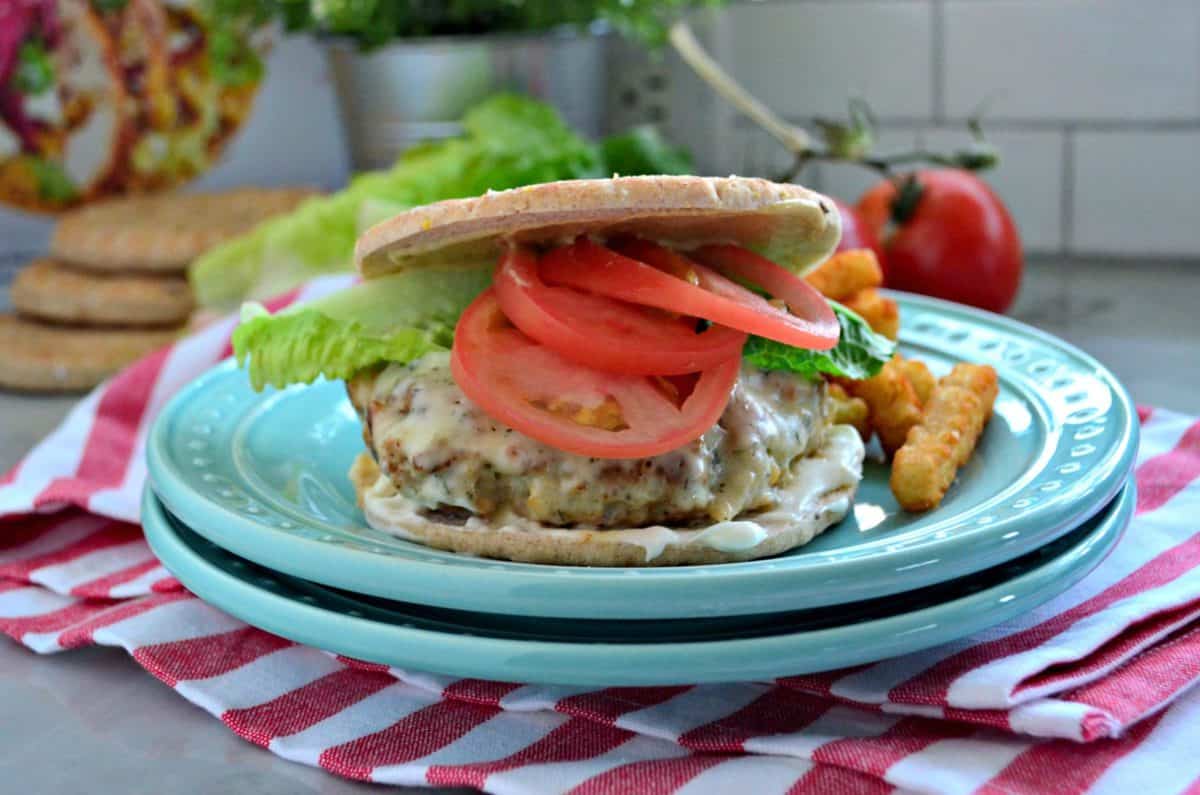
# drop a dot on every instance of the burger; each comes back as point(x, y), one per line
point(613, 372)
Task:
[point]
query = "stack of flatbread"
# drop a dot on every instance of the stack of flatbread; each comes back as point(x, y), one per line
point(114, 287)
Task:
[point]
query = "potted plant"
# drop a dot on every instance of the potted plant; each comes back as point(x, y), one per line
point(407, 70)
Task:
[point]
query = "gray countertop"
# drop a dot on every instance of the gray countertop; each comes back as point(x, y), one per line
point(91, 719)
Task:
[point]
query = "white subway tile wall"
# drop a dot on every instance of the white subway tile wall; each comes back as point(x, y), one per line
point(804, 59)
point(1073, 60)
point(1136, 192)
point(759, 154)
point(1093, 104)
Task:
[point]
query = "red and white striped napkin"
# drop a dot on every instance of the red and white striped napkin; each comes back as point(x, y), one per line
point(1089, 693)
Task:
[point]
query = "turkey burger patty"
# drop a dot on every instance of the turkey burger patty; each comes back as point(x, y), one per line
point(441, 451)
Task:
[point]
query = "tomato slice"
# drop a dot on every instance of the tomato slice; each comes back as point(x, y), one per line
point(802, 298)
point(605, 333)
point(575, 408)
point(649, 274)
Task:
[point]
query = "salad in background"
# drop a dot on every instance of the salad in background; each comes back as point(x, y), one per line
point(117, 96)
point(508, 141)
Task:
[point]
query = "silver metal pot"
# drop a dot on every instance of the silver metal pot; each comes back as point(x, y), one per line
point(417, 89)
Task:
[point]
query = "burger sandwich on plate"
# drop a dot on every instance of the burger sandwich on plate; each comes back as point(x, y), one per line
point(612, 372)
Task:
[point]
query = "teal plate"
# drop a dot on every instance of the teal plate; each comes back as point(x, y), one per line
point(264, 476)
point(614, 652)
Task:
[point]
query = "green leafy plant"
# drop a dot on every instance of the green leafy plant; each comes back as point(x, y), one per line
point(372, 23)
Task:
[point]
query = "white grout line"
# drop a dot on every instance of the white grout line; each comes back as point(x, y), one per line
point(937, 26)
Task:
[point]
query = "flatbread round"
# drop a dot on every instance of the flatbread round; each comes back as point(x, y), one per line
point(824, 505)
point(44, 358)
point(788, 223)
point(50, 290)
point(163, 232)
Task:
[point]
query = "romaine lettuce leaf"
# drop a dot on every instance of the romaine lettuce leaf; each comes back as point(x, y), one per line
point(404, 316)
point(394, 319)
point(860, 352)
point(509, 141)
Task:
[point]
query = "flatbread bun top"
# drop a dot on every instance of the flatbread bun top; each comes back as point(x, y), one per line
point(788, 223)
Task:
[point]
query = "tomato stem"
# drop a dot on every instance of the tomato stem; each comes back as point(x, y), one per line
point(908, 196)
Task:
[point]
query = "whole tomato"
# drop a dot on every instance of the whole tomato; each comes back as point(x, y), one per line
point(949, 237)
point(856, 233)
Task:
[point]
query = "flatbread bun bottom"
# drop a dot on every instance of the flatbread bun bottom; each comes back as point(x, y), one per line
point(822, 502)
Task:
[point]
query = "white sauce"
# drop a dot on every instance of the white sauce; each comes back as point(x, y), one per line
point(9, 143)
point(88, 147)
point(44, 106)
point(837, 464)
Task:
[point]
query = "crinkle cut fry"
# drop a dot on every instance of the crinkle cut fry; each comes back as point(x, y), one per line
point(846, 273)
point(961, 404)
point(893, 403)
point(881, 313)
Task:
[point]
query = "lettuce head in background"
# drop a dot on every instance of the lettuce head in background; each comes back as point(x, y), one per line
point(508, 141)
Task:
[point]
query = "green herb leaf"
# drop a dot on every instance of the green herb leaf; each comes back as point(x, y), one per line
point(34, 73)
point(394, 319)
point(53, 183)
point(860, 352)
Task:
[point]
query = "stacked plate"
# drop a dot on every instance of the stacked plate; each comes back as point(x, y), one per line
point(250, 507)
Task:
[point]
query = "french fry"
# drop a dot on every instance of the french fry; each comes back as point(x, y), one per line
point(846, 273)
point(925, 466)
point(919, 376)
point(847, 410)
point(892, 402)
point(881, 313)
